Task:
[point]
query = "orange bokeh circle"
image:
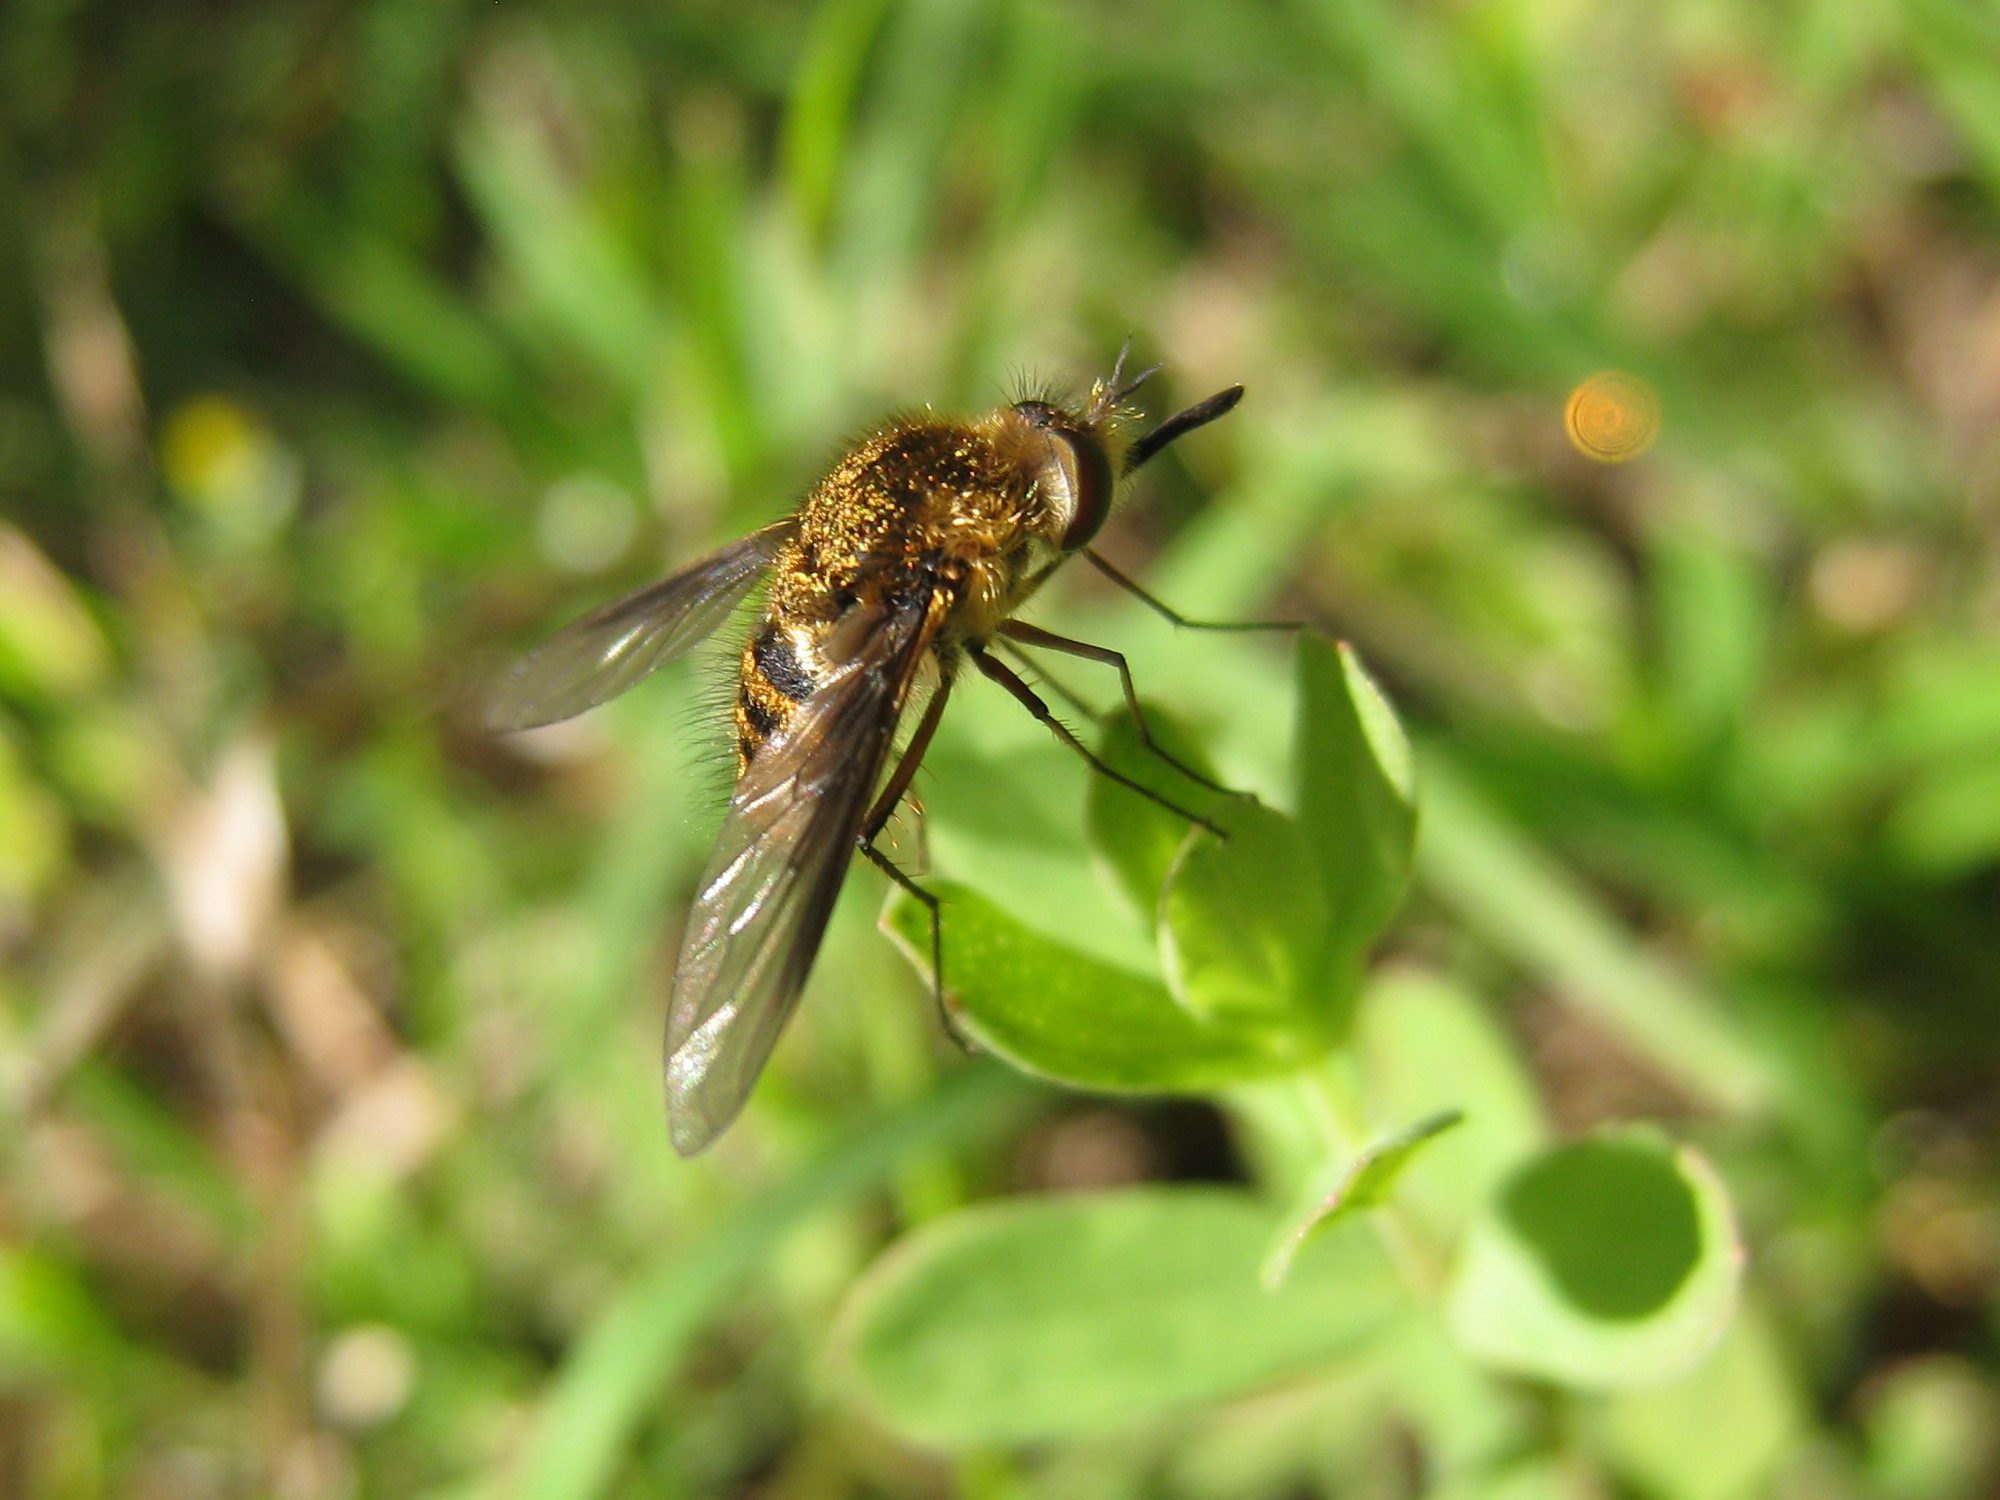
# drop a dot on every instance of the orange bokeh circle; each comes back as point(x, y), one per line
point(1612, 417)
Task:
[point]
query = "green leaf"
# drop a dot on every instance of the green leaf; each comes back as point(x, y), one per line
point(1135, 837)
point(1609, 1261)
point(387, 298)
point(1053, 1011)
point(1242, 920)
point(1363, 1183)
point(614, 1372)
point(1042, 1318)
point(1001, 817)
point(1376, 1169)
point(822, 98)
point(1356, 800)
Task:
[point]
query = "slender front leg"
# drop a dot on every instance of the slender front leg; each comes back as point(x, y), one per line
point(1008, 678)
point(1048, 640)
point(1126, 583)
point(1044, 678)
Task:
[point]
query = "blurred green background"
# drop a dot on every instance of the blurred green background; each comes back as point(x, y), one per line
point(346, 349)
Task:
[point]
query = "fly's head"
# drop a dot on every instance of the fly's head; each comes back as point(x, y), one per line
point(1067, 460)
point(1067, 454)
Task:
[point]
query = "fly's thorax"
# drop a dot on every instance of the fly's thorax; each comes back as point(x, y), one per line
point(917, 494)
point(922, 506)
point(977, 511)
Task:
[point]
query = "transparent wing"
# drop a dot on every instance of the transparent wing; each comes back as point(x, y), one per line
point(769, 887)
point(600, 656)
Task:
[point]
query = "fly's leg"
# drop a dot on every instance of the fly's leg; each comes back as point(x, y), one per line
point(1045, 678)
point(899, 780)
point(935, 911)
point(878, 817)
point(905, 838)
point(1173, 616)
point(998, 671)
point(1034, 635)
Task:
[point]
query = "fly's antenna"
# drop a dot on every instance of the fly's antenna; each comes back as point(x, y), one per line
point(1138, 380)
point(1108, 394)
point(1122, 389)
point(1118, 364)
point(1181, 424)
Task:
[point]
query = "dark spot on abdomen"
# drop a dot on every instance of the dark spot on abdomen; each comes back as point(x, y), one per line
point(772, 651)
point(755, 714)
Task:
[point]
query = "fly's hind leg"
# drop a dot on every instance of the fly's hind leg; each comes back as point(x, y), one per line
point(878, 817)
point(935, 911)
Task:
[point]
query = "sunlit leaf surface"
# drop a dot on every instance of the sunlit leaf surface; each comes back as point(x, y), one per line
point(1057, 1013)
point(1026, 1321)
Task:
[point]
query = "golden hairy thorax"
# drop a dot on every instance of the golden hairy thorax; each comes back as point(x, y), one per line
point(925, 506)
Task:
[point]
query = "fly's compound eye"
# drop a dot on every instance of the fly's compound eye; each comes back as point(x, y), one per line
point(1083, 471)
point(1089, 471)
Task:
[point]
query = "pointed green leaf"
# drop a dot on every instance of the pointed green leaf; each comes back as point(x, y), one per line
point(1363, 1183)
point(1041, 1318)
point(1051, 1010)
point(1356, 798)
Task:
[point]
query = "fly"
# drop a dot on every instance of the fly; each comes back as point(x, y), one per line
point(918, 548)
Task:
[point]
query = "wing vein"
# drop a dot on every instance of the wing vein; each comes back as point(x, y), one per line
point(778, 865)
point(611, 649)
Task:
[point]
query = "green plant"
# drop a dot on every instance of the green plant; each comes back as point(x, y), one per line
point(1605, 1263)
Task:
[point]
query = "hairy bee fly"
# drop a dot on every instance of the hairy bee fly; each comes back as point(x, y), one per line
point(911, 557)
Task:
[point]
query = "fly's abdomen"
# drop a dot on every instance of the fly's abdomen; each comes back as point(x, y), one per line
point(772, 682)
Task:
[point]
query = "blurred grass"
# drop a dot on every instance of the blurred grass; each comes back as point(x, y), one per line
point(344, 351)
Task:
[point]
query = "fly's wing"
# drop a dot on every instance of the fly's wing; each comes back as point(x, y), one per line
point(770, 885)
point(600, 656)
